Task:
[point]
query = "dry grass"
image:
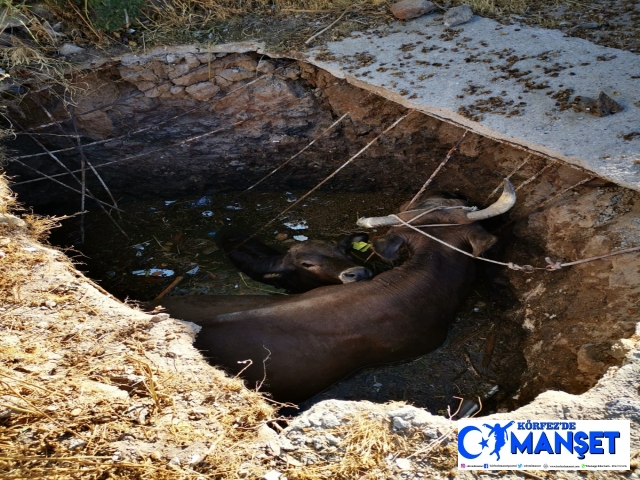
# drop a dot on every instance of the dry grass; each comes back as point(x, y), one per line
point(85, 387)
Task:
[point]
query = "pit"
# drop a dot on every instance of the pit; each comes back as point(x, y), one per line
point(178, 137)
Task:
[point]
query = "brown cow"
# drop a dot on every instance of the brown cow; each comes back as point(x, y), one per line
point(300, 345)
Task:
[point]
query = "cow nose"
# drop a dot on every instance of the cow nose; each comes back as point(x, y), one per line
point(355, 274)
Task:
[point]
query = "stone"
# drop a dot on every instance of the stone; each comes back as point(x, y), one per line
point(110, 391)
point(223, 82)
point(12, 221)
point(151, 91)
point(408, 9)
point(329, 420)
point(265, 66)
point(457, 15)
point(404, 463)
point(274, 447)
point(399, 423)
point(600, 107)
point(70, 49)
point(176, 71)
point(332, 439)
point(266, 434)
point(77, 443)
point(292, 73)
point(318, 443)
point(237, 60)
point(176, 91)
point(191, 60)
point(292, 461)
point(286, 444)
point(196, 76)
point(272, 475)
point(235, 74)
point(203, 91)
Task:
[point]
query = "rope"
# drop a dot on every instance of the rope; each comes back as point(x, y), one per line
point(513, 172)
point(552, 266)
point(286, 162)
point(442, 164)
point(333, 174)
point(542, 170)
point(173, 144)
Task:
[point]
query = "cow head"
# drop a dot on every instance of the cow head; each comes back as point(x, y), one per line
point(321, 263)
point(436, 210)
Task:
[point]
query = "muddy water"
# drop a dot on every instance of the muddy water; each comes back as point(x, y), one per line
point(178, 235)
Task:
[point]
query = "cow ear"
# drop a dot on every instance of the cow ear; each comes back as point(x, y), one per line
point(388, 247)
point(347, 242)
point(480, 240)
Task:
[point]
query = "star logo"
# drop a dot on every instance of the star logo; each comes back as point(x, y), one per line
point(484, 443)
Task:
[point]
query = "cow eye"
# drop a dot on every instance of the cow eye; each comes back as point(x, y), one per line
point(307, 265)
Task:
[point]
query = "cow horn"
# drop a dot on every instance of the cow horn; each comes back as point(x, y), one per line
point(503, 204)
point(374, 222)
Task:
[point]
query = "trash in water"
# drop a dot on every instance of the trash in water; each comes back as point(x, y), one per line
point(202, 202)
point(360, 246)
point(154, 272)
point(207, 213)
point(235, 206)
point(212, 234)
point(300, 225)
point(300, 238)
point(193, 271)
point(169, 202)
point(290, 197)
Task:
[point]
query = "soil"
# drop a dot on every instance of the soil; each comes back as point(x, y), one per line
point(524, 333)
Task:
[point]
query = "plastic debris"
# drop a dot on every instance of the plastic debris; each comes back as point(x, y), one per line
point(30, 249)
point(235, 206)
point(207, 213)
point(193, 271)
point(202, 202)
point(169, 202)
point(154, 272)
point(301, 225)
point(290, 197)
point(213, 233)
point(360, 246)
point(300, 238)
point(2, 254)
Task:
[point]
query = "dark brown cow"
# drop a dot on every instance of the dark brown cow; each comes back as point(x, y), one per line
point(303, 267)
point(301, 344)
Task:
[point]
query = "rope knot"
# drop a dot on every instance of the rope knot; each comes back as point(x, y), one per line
point(552, 266)
point(521, 268)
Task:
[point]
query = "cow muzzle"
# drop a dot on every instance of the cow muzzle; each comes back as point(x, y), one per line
point(355, 274)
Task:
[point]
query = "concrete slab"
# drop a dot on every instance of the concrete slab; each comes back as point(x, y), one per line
point(510, 83)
